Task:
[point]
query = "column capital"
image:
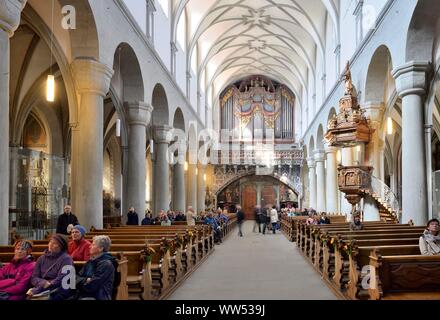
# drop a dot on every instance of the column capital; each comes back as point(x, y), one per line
point(10, 13)
point(91, 76)
point(331, 149)
point(428, 128)
point(139, 113)
point(319, 155)
point(310, 163)
point(162, 134)
point(411, 78)
point(374, 110)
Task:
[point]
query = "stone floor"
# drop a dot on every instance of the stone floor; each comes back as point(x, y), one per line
point(254, 267)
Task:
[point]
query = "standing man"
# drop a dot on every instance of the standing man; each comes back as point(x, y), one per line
point(257, 215)
point(240, 219)
point(191, 216)
point(66, 221)
point(132, 218)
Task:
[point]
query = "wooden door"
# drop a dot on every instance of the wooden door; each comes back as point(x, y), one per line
point(249, 197)
point(268, 196)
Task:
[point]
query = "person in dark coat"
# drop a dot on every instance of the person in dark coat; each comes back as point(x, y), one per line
point(324, 219)
point(257, 214)
point(48, 273)
point(147, 220)
point(66, 221)
point(132, 218)
point(240, 219)
point(95, 280)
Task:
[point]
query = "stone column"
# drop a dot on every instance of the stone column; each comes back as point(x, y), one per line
point(162, 138)
point(10, 11)
point(320, 180)
point(139, 115)
point(411, 81)
point(179, 188)
point(346, 160)
point(331, 180)
point(192, 187)
point(179, 194)
point(92, 83)
point(312, 183)
point(375, 111)
point(258, 185)
point(124, 200)
point(201, 188)
point(428, 144)
point(13, 176)
point(347, 156)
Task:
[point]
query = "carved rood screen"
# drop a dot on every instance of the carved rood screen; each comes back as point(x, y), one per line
point(257, 108)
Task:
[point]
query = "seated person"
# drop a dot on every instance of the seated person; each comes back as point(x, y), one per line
point(15, 277)
point(429, 242)
point(78, 247)
point(311, 219)
point(180, 216)
point(213, 223)
point(48, 273)
point(356, 224)
point(147, 220)
point(95, 280)
point(324, 219)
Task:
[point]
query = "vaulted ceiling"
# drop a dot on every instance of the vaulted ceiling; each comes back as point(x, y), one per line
point(231, 39)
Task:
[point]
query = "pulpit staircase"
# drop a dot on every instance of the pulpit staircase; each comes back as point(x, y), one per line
point(386, 200)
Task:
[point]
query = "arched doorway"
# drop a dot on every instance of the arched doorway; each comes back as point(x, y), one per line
point(252, 190)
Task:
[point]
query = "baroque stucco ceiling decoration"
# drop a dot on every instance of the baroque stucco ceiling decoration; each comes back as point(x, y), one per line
point(282, 39)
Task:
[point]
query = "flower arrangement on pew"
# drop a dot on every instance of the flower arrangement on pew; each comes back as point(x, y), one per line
point(315, 233)
point(324, 238)
point(147, 253)
point(190, 235)
point(179, 240)
point(166, 245)
point(349, 247)
point(336, 241)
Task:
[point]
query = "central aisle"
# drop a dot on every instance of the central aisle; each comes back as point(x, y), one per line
point(256, 267)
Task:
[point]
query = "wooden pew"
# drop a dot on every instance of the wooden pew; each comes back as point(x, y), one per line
point(360, 258)
point(404, 276)
point(122, 288)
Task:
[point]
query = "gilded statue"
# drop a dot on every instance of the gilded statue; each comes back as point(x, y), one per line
point(348, 81)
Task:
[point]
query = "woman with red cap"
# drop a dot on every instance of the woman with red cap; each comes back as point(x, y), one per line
point(15, 277)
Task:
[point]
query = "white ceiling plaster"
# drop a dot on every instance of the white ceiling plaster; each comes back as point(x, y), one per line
point(281, 39)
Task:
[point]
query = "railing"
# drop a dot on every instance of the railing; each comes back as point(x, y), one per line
point(388, 197)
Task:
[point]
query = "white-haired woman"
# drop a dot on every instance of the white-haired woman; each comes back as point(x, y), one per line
point(96, 278)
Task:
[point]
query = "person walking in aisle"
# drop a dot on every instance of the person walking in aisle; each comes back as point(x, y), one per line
point(257, 215)
point(274, 218)
point(240, 219)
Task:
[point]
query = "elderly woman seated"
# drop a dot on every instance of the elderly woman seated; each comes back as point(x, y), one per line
point(15, 277)
point(429, 242)
point(96, 278)
point(79, 248)
point(48, 273)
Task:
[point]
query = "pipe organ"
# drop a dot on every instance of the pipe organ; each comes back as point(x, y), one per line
point(258, 108)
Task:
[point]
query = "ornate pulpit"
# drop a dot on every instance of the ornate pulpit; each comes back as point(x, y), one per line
point(350, 128)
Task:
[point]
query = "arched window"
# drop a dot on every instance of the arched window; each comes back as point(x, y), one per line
point(165, 6)
point(181, 31)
